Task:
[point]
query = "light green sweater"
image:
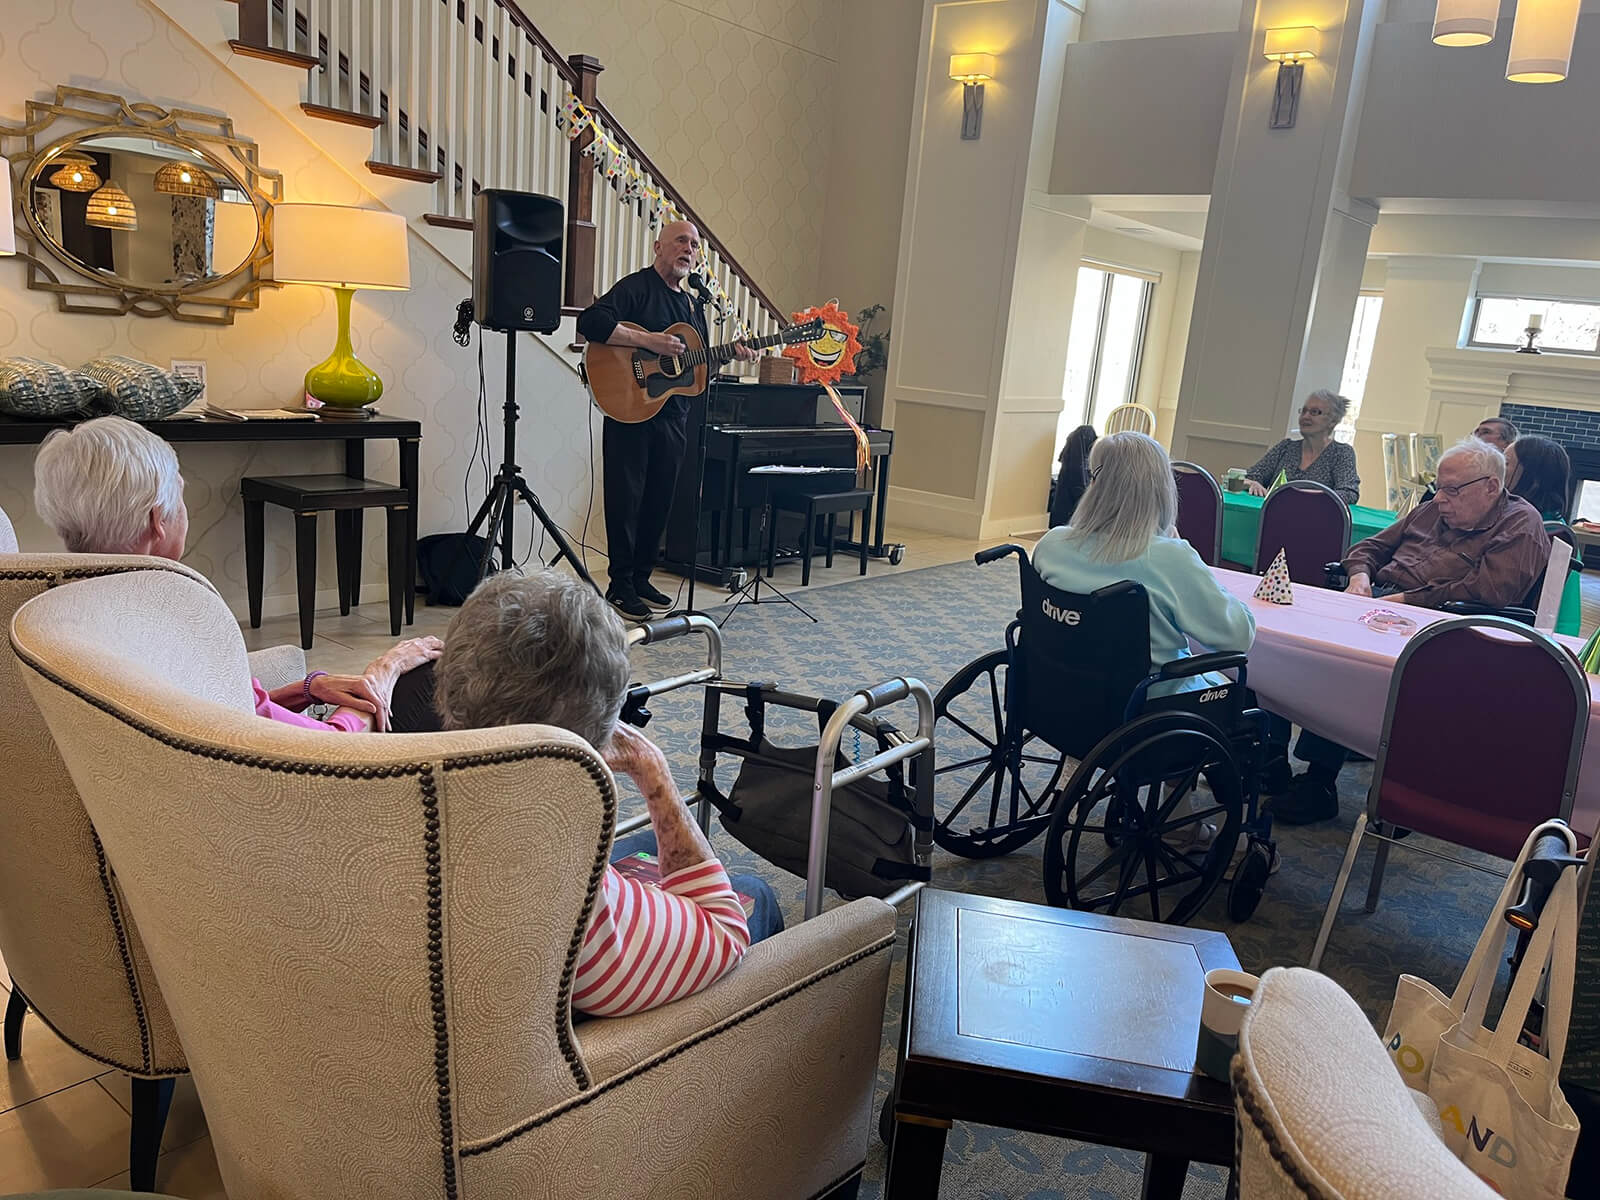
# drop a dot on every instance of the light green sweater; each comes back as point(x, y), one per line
point(1186, 601)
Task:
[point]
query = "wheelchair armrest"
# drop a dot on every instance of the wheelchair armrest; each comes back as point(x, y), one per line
point(1183, 668)
point(1466, 608)
point(984, 557)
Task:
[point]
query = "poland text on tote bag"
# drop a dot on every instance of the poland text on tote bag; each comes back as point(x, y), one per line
point(1421, 1013)
point(1499, 1101)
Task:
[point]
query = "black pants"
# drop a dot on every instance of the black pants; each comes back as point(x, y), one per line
point(641, 468)
point(1311, 748)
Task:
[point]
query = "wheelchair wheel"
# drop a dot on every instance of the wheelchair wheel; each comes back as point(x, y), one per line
point(995, 786)
point(1249, 881)
point(1129, 833)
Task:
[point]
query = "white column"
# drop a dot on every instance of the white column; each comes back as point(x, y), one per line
point(975, 334)
point(1284, 248)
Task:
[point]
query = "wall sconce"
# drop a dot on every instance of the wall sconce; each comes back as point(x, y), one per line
point(971, 71)
point(1289, 48)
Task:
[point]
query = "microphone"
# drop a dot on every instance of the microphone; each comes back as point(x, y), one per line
point(698, 283)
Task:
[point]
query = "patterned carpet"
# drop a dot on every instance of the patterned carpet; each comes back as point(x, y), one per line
point(929, 623)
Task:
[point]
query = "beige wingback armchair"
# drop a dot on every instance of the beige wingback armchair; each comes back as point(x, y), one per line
point(71, 946)
point(1323, 1114)
point(367, 943)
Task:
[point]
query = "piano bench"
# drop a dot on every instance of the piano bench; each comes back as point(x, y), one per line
point(813, 502)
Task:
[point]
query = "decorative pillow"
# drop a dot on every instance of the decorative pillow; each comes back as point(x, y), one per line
point(140, 391)
point(31, 387)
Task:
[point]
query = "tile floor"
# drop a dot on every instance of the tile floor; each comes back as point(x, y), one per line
point(64, 1118)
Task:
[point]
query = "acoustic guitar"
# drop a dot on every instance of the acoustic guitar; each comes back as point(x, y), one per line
point(630, 385)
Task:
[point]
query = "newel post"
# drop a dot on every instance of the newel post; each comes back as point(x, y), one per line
point(580, 194)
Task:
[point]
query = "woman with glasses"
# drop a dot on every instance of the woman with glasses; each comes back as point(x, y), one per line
point(1314, 455)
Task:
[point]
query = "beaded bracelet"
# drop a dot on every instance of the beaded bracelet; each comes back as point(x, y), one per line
point(307, 686)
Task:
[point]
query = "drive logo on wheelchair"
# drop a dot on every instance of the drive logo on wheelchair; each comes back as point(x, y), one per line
point(1067, 616)
point(1220, 693)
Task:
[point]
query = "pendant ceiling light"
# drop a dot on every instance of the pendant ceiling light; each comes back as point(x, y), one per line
point(181, 179)
point(110, 208)
point(75, 173)
point(1465, 22)
point(1541, 41)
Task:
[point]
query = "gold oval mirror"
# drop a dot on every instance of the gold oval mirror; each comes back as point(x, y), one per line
point(143, 212)
point(153, 211)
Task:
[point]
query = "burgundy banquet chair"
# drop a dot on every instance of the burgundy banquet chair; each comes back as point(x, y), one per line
point(1199, 510)
point(1487, 682)
point(1310, 522)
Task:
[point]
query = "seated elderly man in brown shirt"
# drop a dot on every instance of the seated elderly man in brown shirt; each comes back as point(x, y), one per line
point(1473, 541)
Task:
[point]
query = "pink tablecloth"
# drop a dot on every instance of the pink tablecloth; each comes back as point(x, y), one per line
point(1315, 663)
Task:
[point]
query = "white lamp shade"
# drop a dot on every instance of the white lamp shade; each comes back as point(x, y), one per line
point(1291, 45)
point(1465, 22)
point(8, 229)
point(972, 68)
point(1541, 41)
point(336, 246)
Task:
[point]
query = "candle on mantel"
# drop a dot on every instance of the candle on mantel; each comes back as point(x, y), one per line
point(1535, 321)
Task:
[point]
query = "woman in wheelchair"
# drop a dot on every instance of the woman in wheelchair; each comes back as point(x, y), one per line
point(1096, 686)
point(1124, 529)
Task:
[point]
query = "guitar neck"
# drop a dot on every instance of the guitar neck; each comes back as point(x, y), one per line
point(724, 353)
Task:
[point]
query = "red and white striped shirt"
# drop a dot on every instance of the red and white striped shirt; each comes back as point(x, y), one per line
point(648, 946)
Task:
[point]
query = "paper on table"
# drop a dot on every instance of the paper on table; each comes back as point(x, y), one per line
point(1555, 583)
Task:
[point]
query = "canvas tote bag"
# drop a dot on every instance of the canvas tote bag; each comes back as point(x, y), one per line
point(1499, 1101)
point(1422, 1014)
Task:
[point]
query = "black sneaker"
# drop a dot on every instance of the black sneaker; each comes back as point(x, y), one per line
point(1311, 800)
point(1277, 777)
point(657, 600)
point(626, 601)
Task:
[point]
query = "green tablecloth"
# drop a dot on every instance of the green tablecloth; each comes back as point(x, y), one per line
point(1241, 519)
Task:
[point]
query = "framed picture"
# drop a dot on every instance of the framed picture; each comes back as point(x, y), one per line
point(192, 368)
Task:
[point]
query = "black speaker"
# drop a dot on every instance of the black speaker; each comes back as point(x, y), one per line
point(516, 260)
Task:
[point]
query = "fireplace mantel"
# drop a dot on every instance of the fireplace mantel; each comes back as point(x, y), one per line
point(1464, 386)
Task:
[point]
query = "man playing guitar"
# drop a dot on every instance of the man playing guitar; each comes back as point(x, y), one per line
point(642, 460)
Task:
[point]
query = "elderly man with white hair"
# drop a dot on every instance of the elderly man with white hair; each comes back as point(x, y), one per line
point(1473, 541)
point(110, 486)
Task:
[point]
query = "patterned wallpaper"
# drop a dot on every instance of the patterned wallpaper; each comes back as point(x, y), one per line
point(734, 100)
point(259, 361)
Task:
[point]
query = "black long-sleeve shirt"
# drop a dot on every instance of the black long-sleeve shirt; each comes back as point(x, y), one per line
point(645, 300)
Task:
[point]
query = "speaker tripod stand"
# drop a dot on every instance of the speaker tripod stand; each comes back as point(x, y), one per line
point(499, 507)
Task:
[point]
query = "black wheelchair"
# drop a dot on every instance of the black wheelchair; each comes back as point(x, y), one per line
point(1131, 825)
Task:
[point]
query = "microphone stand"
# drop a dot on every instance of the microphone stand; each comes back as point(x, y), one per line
point(698, 284)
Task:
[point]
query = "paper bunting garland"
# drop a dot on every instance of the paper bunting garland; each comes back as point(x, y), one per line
point(1274, 587)
point(613, 163)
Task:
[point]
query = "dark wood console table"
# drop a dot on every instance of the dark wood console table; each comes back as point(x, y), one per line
point(355, 435)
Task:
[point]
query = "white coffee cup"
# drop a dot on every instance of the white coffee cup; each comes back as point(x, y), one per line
point(1222, 1010)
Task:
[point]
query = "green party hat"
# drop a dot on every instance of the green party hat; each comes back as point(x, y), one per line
point(1283, 478)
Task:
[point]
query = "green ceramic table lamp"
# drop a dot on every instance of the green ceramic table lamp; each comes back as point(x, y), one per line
point(341, 248)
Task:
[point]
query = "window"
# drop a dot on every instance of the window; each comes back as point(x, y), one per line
point(1570, 326)
point(1104, 345)
point(1358, 359)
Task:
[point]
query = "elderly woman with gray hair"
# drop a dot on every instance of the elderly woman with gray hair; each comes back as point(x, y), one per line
point(545, 649)
point(1314, 455)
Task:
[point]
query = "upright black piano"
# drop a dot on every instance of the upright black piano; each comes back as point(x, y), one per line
point(750, 425)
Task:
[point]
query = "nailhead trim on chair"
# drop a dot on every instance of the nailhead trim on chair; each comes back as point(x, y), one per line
point(1252, 1107)
point(886, 943)
point(122, 947)
point(441, 1019)
point(608, 796)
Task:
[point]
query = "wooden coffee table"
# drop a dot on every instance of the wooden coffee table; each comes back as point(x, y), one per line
point(1057, 1022)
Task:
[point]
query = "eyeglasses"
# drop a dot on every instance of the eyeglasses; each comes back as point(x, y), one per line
point(1454, 490)
point(1313, 412)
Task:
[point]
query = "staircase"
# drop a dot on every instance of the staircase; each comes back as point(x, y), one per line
point(458, 95)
